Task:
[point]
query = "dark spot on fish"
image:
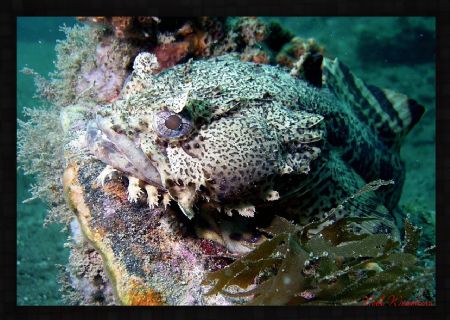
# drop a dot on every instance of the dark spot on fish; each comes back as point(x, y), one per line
point(169, 183)
point(235, 236)
point(267, 95)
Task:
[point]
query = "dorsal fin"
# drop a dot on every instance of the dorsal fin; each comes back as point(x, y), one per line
point(390, 114)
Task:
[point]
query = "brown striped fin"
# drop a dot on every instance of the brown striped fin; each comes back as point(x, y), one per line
point(390, 113)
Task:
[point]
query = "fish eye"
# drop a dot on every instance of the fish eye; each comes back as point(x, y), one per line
point(171, 125)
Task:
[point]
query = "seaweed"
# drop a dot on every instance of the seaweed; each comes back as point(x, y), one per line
point(334, 266)
point(412, 237)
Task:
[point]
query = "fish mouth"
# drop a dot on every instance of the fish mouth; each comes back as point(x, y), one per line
point(227, 236)
point(147, 243)
point(120, 152)
point(236, 233)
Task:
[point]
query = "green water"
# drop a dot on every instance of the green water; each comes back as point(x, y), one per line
point(389, 52)
point(39, 249)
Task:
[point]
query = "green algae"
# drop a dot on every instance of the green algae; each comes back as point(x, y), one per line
point(334, 266)
point(412, 237)
point(347, 273)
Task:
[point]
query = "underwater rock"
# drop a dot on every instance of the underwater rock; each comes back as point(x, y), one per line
point(84, 280)
point(147, 261)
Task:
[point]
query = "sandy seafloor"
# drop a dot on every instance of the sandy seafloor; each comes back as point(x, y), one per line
point(390, 52)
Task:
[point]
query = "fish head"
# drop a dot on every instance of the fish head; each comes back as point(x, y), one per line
point(194, 132)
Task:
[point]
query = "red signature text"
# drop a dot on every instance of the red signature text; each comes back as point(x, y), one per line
point(394, 301)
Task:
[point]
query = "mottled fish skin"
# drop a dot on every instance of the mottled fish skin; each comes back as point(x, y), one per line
point(258, 132)
point(385, 117)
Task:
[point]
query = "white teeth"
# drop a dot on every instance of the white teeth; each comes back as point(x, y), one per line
point(166, 200)
point(245, 210)
point(248, 212)
point(272, 195)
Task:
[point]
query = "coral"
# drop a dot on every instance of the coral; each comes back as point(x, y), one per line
point(174, 41)
point(293, 50)
point(243, 33)
point(43, 86)
point(198, 43)
point(166, 38)
point(125, 27)
point(255, 55)
point(251, 30)
point(122, 26)
point(170, 54)
point(171, 40)
point(117, 190)
point(194, 40)
point(85, 71)
point(82, 65)
point(266, 43)
point(215, 28)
